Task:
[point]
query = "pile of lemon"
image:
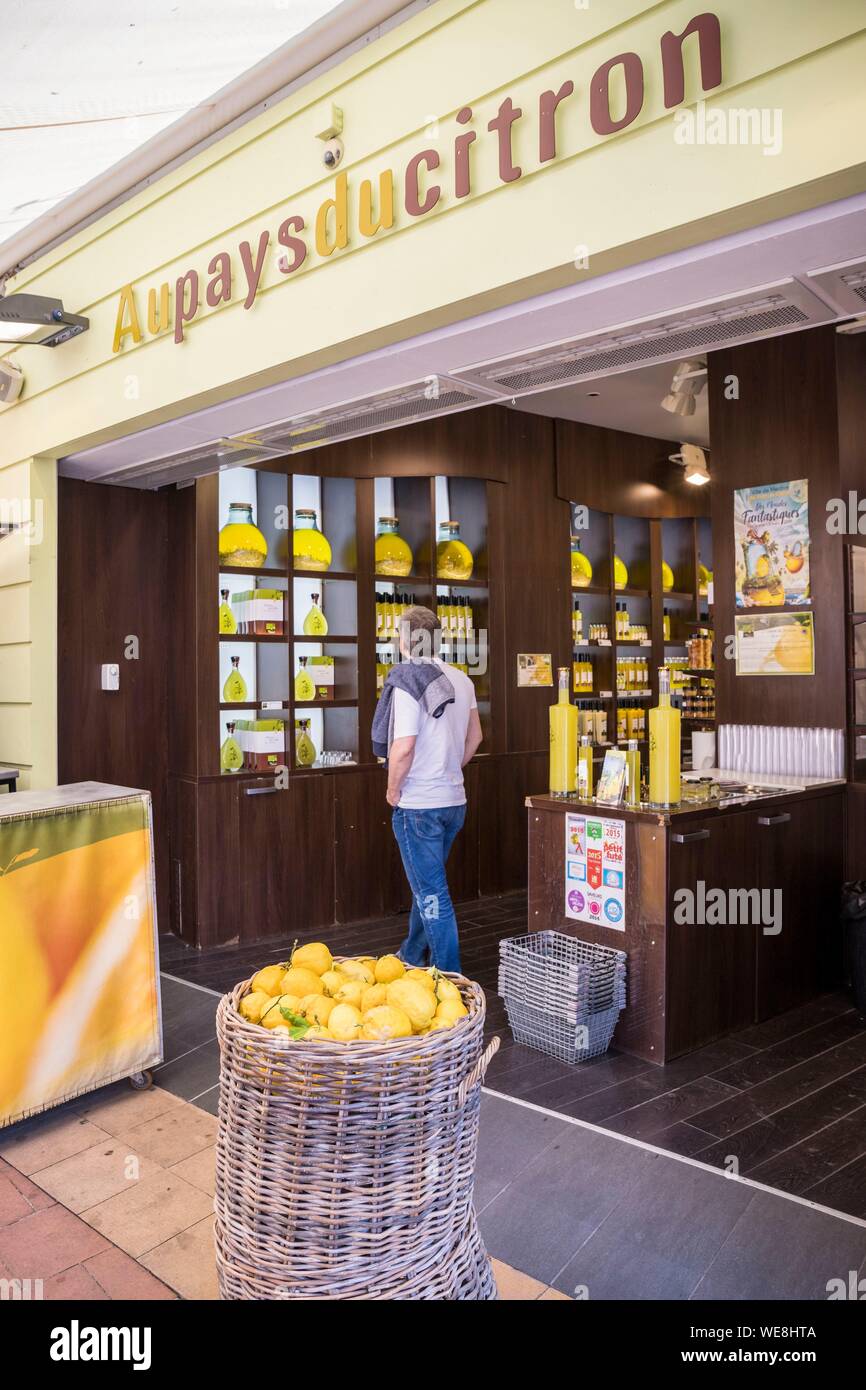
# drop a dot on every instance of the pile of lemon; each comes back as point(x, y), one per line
point(360, 1000)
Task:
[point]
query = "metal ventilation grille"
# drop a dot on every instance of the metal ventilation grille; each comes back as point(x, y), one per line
point(587, 358)
point(856, 284)
point(433, 396)
point(194, 463)
point(843, 284)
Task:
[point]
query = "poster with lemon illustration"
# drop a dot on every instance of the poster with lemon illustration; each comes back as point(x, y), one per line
point(79, 992)
point(775, 644)
point(771, 538)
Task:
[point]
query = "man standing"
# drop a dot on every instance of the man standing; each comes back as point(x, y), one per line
point(428, 721)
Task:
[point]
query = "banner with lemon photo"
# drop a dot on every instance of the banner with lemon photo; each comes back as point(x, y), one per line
point(79, 984)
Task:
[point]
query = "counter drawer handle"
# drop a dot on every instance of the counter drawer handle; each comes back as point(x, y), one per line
point(695, 835)
point(260, 791)
point(774, 820)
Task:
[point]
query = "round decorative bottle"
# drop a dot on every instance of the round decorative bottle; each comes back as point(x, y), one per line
point(581, 569)
point(620, 574)
point(304, 687)
point(393, 554)
point(310, 549)
point(228, 623)
point(453, 556)
point(240, 542)
point(235, 688)
point(305, 749)
point(231, 757)
point(315, 623)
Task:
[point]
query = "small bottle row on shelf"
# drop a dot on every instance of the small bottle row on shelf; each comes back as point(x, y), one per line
point(699, 698)
point(632, 675)
point(700, 650)
point(262, 613)
point(261, 745)
point(456, 619)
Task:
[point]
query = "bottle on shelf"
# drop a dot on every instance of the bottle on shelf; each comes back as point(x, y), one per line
point(563, 741)
point(231, 757)
point(235, 688)
point(581, 569)
point(315, 623)
point(664, 746)
point(304, 686)
point(584, 768)
point(310, 548)
point(228, 623)
point(305, 749)
point(632, 773)
point(393, 555)
point(666, 625)
point(453, 557)
point(577, 623)
point(241, 543)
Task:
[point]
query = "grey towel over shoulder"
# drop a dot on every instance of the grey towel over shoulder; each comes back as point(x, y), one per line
point(425, 681)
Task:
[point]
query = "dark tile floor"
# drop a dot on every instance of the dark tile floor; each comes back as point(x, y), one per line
point(782, 1103)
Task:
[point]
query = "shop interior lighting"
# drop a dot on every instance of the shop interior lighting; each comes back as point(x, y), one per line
point(38, 319)
point(689, 380)
point(694, 461)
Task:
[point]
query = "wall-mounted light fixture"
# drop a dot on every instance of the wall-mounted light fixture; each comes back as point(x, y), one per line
point(38, 319)
point(694, 461)
point(689, 380)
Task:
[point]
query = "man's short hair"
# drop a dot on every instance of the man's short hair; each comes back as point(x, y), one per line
point(420, 630)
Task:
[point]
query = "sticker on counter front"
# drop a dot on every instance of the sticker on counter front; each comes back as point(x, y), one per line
point(595, 858)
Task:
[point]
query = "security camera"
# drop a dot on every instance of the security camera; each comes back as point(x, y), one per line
point(11, 381)
point(333, 153)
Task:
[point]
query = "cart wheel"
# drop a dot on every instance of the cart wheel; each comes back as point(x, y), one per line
point(141, 1080)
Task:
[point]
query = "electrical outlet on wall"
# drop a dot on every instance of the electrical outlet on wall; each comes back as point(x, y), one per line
point(110, 676)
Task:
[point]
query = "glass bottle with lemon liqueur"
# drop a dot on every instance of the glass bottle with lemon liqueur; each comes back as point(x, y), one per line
point(563, 741)
point(228, 623)
point(453, 557)
point(632, 773)
point(305, 749)
point(581, 569)
point(393, 554)
point(664, 747)
point(240, 542)
point(310, 549)
point(315, 623)
point(231, 757)
point(584, 768)
point(235, 688)
point(304, 687)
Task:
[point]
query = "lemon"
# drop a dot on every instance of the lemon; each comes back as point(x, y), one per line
point(267, 981)
point(345, 1023)
point(251, 1005)
point(386, 1022)
point(415, 999)
point(315, 957)
point(389, 968)
point(421, 977)
point(318, 1033)
point(446, 989)
point(281, 1030)
point(451, 1009)
point(272, 1015)
point(300, 982)
point(317, 1008)
point(351, 992)
point(373, 996)
point(436, 1025)
point(357, 970)
point(370, 962)
point(331, 981)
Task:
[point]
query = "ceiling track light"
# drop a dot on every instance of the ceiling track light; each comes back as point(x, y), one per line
point(694, 460)
point(38, 320)
point(690, 378)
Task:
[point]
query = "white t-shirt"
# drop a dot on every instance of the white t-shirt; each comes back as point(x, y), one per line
point(436, 775)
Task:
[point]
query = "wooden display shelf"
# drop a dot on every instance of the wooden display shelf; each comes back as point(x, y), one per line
point(270, 571)
point(273, 637)
point(322, 704)
point(462, 583)
point(272, 706)
point(343, 576)
point(303, 638)
point(600, 589)
point(629, 592)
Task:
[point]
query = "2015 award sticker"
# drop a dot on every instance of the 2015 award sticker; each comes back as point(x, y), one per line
point(595, 870)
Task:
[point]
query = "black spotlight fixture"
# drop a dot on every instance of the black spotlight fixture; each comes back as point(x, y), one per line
point(38, 319)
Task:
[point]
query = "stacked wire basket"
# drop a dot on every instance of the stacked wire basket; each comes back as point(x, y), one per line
point(562, 996)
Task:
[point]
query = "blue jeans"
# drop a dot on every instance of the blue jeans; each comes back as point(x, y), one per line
point(425, 839)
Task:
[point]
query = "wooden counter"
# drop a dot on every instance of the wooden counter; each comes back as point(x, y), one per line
point(690, 984)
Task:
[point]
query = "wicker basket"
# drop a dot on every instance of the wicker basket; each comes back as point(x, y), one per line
point(346, 1170)
point(562, 996)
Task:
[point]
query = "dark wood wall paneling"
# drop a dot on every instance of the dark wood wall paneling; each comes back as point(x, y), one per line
point(782, 426)
point(851, 378)
point(112, 566)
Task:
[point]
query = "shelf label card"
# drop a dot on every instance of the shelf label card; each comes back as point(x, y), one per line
point(595, 870)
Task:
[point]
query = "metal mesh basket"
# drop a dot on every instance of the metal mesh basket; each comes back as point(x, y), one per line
point(562, 996)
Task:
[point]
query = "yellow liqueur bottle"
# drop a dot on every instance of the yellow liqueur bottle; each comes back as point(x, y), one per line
point(231, 757)
point(581, 569)
point(304, 687)
point(584, 768)
point(305, 749)
point(315, 623)
point(235, 688)
point(664, 747)
point(310, 549)
point(563, 741)
point(453, 557)
point(228, 623)
point(240, 542)
point(632, 773)
point(392, 554)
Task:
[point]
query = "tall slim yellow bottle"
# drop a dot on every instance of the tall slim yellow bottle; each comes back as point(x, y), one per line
point(563, 741)
point(664, 746)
